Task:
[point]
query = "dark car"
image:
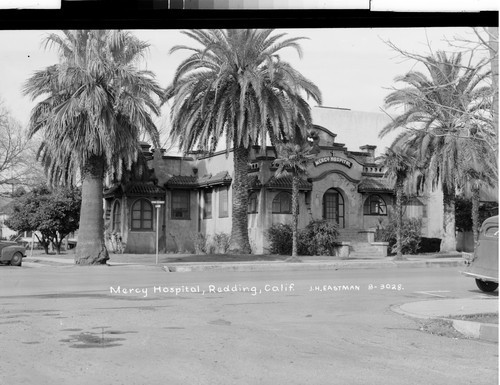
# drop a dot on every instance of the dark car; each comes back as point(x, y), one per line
point(483, 266)
point(12, 253)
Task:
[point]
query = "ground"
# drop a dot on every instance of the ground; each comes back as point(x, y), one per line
point(108, 325)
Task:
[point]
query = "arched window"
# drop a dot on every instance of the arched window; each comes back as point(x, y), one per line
point(142, 215)
point(252, 203)
point(333, 207)
point(282, 203)
point(117, 217)
point(374, 205)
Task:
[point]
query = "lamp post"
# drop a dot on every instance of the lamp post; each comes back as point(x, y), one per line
point(158, 206)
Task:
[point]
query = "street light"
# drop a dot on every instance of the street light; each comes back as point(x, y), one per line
point(158, 206)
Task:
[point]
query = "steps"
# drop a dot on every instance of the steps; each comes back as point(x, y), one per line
point(364, 250)
point(352, 235)
point(359, 247)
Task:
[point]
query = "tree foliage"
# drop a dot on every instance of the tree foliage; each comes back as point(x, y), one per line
point(17, 156)
point(54, 214)
point(235, 87)
point(447, 117)
point(93, 106)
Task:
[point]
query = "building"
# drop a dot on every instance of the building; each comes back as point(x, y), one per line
point(342, 185)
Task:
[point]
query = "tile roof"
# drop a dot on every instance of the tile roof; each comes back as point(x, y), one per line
point(285, 183)
point(141, 189)
point(134, 189)
point(376, 185)
point(182, 181)
point(222, 177)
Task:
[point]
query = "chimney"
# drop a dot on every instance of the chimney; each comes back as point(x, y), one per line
point(370, 150)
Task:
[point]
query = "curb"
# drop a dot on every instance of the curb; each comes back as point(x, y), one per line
point(304, 266)
point(247, 266)
point(481, 331)
point(476, 330)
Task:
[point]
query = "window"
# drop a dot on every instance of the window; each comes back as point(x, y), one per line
point(333, 207)
point(117, 217)
point(223, 202)
point(180, 204)
point(207, 208)
point(374, 205)
point(282, 203)
point(491, 231)
point(252, 203)
point(142, 215)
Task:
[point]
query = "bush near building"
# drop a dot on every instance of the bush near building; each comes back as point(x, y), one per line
point(318, 238)
point(410, 236)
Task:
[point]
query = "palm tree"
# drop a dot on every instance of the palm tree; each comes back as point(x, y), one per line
point(236, 87)
point(398, 167)
point(95, 104)
point(294, 156)
point(478, 171)
point(437, 113)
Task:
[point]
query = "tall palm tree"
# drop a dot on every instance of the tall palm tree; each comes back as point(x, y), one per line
point(95, 104)
point(294, 157)
point(235, 86)
point(438, 111)
point(398, 167)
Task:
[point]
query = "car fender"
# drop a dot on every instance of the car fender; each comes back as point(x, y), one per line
point(9, 251)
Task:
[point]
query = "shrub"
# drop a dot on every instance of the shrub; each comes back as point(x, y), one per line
point(280, 239)
point(221, 242)
point(320, 237)
point(199, 243)
point(410, 236)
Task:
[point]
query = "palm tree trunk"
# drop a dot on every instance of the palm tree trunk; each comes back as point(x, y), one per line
point(475, 214)
point(399, 220)
point(493, 48)
point(295, 216)
point(448, 241)
point(90, 249)
point(240, 244)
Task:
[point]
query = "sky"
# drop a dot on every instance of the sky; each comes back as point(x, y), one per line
point(353, 67)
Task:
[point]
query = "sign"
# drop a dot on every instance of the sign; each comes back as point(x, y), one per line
point(332, 159)
point(158, 202)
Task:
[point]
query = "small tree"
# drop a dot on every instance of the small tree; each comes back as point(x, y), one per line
point(293, 157)
point(53, 214)
point(398, 167)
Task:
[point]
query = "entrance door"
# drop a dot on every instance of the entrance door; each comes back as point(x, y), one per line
point(333, 207)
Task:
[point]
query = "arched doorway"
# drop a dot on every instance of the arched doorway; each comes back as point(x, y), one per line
point(333, 207)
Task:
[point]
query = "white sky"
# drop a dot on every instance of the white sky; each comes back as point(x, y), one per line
point(353, 68)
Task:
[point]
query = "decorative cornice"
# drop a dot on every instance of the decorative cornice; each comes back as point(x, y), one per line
point(328, 172)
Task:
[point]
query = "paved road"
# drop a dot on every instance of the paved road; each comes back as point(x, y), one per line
point(76, 325)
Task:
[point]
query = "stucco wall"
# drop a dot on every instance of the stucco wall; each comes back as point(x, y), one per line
point(180, 233)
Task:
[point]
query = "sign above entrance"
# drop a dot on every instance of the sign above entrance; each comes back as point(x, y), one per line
point(332, 159)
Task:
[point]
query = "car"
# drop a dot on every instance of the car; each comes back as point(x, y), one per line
point(12, 253)
point(483, 264)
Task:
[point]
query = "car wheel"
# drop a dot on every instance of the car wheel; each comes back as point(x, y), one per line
point(17, 259)
point(486, 286)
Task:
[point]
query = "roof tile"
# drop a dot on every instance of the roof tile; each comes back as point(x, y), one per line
point(376, 185)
